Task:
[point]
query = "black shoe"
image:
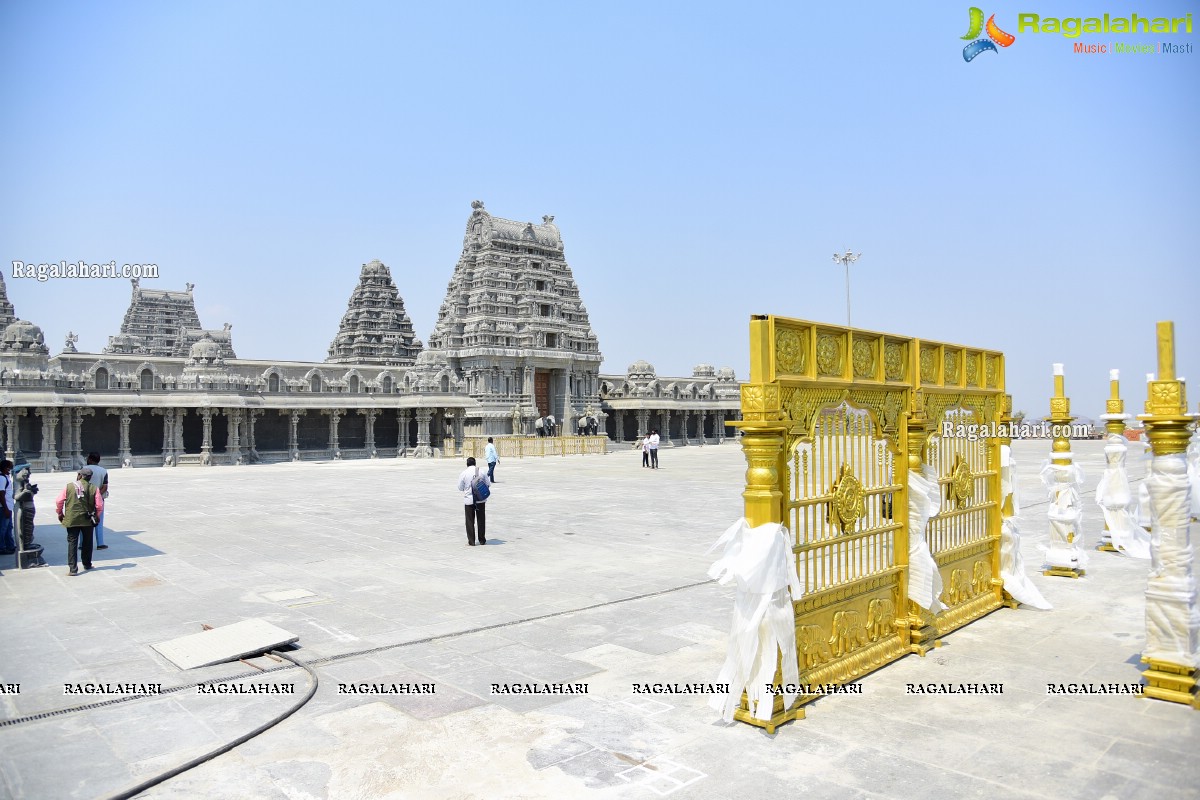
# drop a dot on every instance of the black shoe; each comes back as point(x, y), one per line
point(101, 547)
point(8, 552)
point(72, 573)
point(87, 566)
point(483, 541)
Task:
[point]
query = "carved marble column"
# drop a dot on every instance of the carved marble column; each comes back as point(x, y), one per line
point(643, 423)
point(206, 441)
point(123, 452)
point(180, 416)
point(664, 427)
point(683, 433)
point(11, 432)
point(423, 415)
point(168, 440)
point(619, 425)
point(402, 441)
point(719, 426)
point(700, 416)
point(293, 435)
point(251, 445)
point(458, 420)
point(335, 416)
point(370, 413)
point(49, 438)
point(234, 417)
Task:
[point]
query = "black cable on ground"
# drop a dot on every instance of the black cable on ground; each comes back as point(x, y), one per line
point(225, 748)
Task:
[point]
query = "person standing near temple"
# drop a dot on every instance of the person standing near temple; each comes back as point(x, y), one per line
point(468, 483)
point(654, 449)
point(8, 545)
point(100, 481)
point(79, 506)
point(492, 458)
point(646, 450)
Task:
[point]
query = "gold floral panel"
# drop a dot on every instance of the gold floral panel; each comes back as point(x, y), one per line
point(929, 363)
point(951, 361)
point(993, 371)
point(830, 354)
point(973, 369)
point(864, 355)
point(895, 361)
point(791, 351)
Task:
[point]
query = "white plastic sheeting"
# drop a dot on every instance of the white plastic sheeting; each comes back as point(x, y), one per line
point(1193, 459)
point(1172, 615)
point(1115, 499)
point(924, 502)
point(1145, 518)
point(1062, 482)
point(761, 562)
point(1012, 563)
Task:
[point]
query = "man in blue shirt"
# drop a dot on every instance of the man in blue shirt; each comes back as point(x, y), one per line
point(492, 459)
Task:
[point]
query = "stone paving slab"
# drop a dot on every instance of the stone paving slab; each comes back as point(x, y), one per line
point(595, 574)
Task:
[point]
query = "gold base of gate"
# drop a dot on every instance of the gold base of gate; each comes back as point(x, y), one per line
point(1065, 572)
point(924, 639)
point(1171, 682)
point(954, 618)
point(1106, 547)
point(778, 715)
point(1009, 601)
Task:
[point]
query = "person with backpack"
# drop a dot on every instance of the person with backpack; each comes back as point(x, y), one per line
point(79, 508)
point(475, 488)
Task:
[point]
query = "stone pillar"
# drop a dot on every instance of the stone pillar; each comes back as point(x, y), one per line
point(180, 416)
point(11, 432)
point(618, 425)
point(335, 416)
point(126, 413)
point(458, 420)
point(370, 414)
point(664, 427)
point(719, 426)
point(251, 445)
point(402, 442)
point(683, 425)
point(234, 443)
point(293, 438)
point(423, 449)
point(49, 438)
point(643, 423)
point(168, 440)
point(206, 441)
point(700, 416)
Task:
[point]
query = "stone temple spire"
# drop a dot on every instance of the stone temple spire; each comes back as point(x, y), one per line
point(375, 328)
point(155, 321)
point(7, 314)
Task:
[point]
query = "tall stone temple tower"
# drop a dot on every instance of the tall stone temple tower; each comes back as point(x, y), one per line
point(375, 328)
point(513, 326)
point(162, 322)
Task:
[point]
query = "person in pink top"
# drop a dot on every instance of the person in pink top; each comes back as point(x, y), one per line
point(79, 507)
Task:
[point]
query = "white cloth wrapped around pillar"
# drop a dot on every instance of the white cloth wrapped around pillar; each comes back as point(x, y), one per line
point(1062, 482)
point(924, 502)
point(1193, 460)
point(1172, 615)
point(1144, 516)
point(1012, 563)
point(1115, 499)
point(761, 562)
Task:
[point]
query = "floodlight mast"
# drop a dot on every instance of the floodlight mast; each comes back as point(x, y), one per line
point(846, 259)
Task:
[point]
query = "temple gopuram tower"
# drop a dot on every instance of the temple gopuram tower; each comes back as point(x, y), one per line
point(512, 324)
point(162, 322)
point(375, 328)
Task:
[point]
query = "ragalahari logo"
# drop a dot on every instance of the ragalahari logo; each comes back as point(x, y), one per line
point(995, 36)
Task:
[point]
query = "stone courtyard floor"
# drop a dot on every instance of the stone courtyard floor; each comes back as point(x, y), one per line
point(594, 574)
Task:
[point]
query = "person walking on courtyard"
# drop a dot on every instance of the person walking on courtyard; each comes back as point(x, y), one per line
point(100, 481)
point(8, 545)
point(78, 508)
point(492, 459)
point(646, 451)
point(469, 483)
point(654, 449)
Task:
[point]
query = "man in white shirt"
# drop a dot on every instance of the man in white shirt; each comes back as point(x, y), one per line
point(654, 449)
point(99, 479)
point(8, 544)
point(492, 458)
point(467, 481)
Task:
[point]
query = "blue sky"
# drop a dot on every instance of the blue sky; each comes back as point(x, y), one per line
point(703, 161)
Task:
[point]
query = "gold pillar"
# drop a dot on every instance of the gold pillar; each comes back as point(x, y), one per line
point(1167, 426)
point(1006, 500)
point(1060, 454)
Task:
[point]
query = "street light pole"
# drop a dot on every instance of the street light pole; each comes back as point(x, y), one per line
point(846, 259)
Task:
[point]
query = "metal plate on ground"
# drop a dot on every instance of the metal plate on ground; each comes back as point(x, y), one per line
point(227, 643)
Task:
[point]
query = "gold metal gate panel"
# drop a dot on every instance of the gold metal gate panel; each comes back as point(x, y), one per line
point(964, 538)
point(826, 420)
